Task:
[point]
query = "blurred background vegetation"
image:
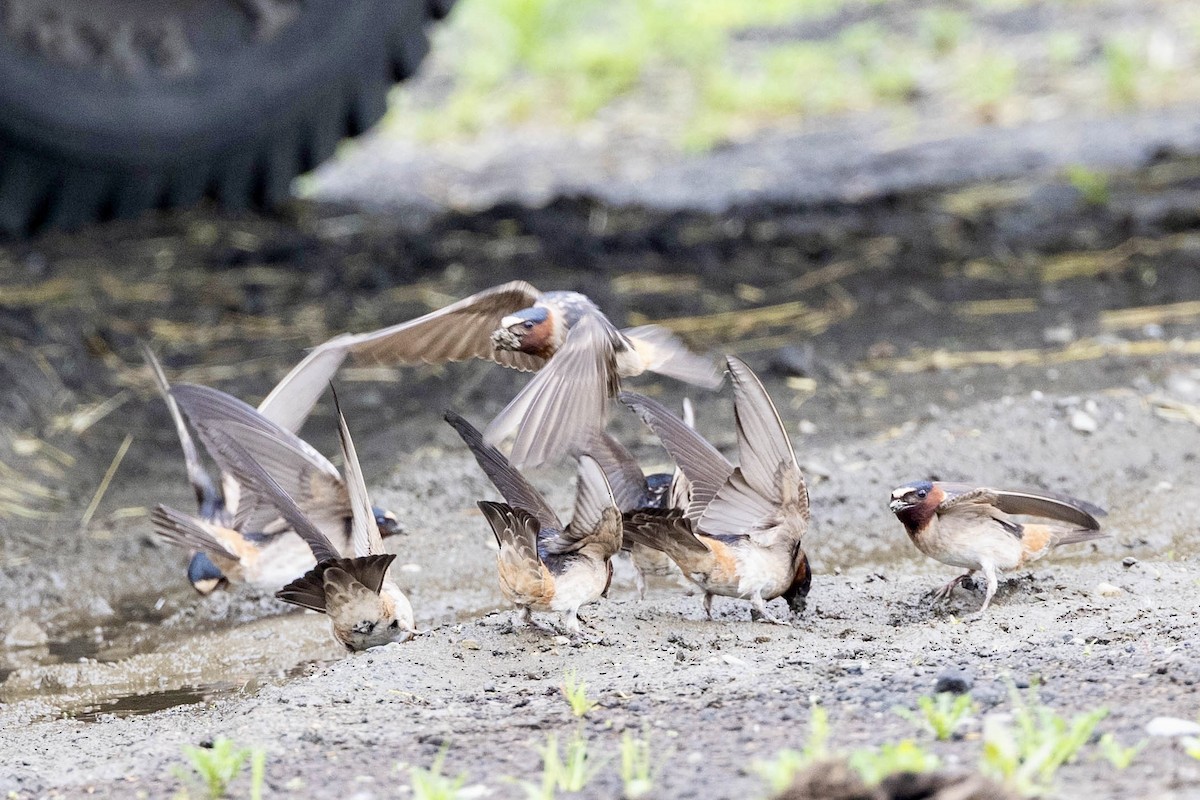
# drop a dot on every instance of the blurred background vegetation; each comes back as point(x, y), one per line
point(703, 72)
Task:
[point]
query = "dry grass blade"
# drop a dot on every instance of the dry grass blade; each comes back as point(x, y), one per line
point(990, 308)
point(85, 417)
point(1150, 315)
point(1091, 264)
point(1081, 350)
point(106, 480)
point(1174, 410)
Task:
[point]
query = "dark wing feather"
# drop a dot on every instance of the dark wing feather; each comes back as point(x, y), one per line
point(567, 401)
point(508, 481)
point(625, 477)
point(662, 529)
point(702, 464)
point(250, 472)
point(207, 495)
point(306, 475)
point(308, 591)
point(365, 537)
point(189, 533)
point(457, 332)
point(596, 518)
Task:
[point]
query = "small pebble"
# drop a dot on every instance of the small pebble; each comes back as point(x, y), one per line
point(806, 427)
point(470, 644)
point(1084, 422)
point(1108, 590)
point(1128, 561)
point(1172, 726)
point(955, 681)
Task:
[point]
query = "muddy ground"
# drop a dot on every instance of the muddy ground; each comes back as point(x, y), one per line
point(985, 322)
point(973, 333)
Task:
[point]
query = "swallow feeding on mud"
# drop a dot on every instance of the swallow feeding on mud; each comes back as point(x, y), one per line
point(970, 527)
point(248, 541)
point(579, 355)
point(636, 491)
point(543, 564)
point(365, 606)
point(741, 533)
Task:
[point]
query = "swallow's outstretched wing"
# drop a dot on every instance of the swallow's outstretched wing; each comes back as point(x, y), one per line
point(511, 484)
point(767, 489)
point(702, 464)
point(662, 351)
point(596, 519)
point(1049, 505)
point(365, 537)
point(208, 497)
point(625, 476)
point(304, 474)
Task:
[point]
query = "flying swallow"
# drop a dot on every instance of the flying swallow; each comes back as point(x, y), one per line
point(741, 532)
point(580, 357)
point(243, 535)
point(970, 527)
point(364, 605)
point(543, 564)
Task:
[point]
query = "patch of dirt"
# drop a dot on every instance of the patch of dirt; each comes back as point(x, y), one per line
point(1006, 333)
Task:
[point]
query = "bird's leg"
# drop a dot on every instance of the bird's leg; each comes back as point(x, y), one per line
point(708, 596)
point(571, 621)
point(944, 592)
point(989, 571)
point(760, 607)
point(639, 580)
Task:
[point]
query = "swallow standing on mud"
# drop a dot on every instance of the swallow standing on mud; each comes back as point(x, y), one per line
point(365, 606)
point(741, 533)
point(249, 542)
point(970, 527)
point(544, 565)
point(579, 354)
point(636, 491)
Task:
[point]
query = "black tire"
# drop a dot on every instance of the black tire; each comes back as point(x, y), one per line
point(103, 118)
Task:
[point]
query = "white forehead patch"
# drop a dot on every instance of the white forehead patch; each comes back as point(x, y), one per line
point(899, 493)
point(509, 321)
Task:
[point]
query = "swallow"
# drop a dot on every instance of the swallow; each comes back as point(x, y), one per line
point(543, 564)
point(636, 491)
point(970, 527)
point(741, 532)
point(579, 355)
point(286, 408)
point(248, 542)
point(205, 576)
point(365, 606)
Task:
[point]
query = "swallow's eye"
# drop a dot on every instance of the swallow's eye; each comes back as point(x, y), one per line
point(527, 324)
point(395, 624)
point(922, 492)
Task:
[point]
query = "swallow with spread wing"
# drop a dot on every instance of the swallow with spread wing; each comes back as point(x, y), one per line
point(364, 605)
point(636, 491)
point(741, 532)
point(245, 539)
point(580, 357)
point(544, 565)
point(972, 527)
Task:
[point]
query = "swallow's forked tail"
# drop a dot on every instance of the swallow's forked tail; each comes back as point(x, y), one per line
point(308, 591)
